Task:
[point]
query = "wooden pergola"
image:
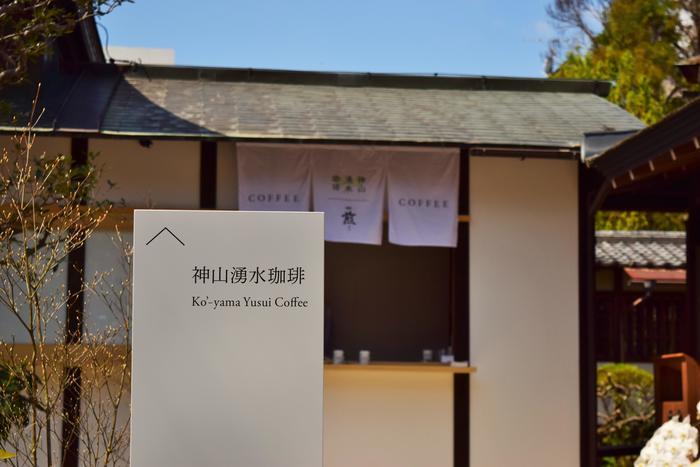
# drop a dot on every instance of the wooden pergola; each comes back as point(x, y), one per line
point(656, 169)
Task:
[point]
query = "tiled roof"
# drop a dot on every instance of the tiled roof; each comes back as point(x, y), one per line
point(651, 249)
point(299, 111)
point(260, 104)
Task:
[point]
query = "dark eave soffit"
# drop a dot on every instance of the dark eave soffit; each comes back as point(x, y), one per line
point(678, 128)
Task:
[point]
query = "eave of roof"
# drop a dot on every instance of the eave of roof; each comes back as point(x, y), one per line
point(279, 105)
point(675, 129)
point(658, 275)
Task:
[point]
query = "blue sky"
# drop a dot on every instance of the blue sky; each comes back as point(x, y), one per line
point(489, 37)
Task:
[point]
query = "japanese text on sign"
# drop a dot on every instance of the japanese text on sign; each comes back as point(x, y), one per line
point(248, 275)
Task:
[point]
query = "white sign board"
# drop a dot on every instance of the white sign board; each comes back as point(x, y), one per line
point(227, 339)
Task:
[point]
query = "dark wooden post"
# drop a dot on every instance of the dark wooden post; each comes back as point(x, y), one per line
point(74, 333)
point(460, 319)
point(207, 175)
point(618, 310)
point(589, 188)
point(691, 330)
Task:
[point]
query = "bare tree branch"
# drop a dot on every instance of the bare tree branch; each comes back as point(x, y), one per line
point(45, 213)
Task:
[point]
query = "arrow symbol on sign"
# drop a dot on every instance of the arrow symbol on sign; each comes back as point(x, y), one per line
point(165, 229)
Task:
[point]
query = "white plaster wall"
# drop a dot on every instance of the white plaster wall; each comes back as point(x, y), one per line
point(387, 419)
point(53, 310)
point(51, 146)
point(524, 312)
point(165, 175)
point(146, 55)
point(109, 295)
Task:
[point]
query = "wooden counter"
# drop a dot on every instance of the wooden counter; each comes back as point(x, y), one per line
point(401, 366)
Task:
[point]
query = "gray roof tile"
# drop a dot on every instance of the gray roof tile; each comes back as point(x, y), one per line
point(328, 112)
point(652, 249)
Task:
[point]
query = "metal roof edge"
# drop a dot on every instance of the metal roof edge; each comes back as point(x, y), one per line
point(350, 79)
point(595, 143)
point(91, 38)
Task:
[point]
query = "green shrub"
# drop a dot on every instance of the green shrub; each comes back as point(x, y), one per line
point(14, 407)
point(625, 408)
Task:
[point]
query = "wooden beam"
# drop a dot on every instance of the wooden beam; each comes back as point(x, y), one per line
point(680, 158)
point(646, 202)
point(525, 152)
point(72, 354)
point(123, 218)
